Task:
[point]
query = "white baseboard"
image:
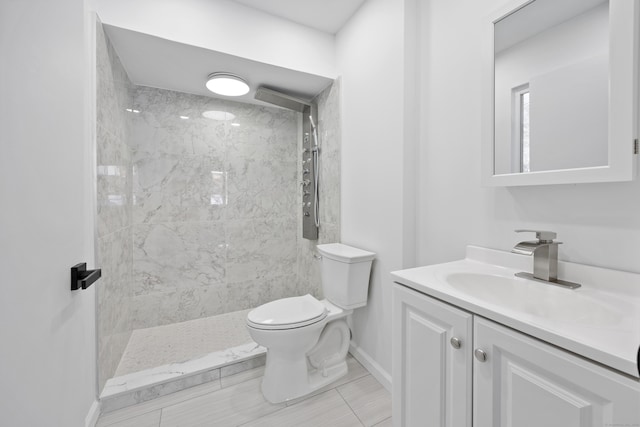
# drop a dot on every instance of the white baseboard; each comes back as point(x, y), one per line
point(371, 365)
point(92, 416)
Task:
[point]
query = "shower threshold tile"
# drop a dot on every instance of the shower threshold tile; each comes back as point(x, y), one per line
point(142, 386)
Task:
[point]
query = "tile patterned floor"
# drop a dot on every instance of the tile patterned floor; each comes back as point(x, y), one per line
point(178, 342)
point(355, 400)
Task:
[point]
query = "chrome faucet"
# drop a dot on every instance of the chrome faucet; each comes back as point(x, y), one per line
point(545, 258)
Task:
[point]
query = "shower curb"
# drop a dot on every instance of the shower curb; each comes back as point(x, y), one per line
point(132, 389)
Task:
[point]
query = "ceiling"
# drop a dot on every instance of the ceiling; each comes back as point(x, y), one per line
point(157, 62)
point(324, 15)
point(537, 17)
point(162, 63)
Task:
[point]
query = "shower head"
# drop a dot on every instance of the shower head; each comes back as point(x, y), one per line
point(280, 99)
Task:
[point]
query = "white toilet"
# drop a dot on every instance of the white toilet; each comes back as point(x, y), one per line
point(307, 340)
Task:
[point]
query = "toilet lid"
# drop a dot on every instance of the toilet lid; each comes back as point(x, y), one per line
point(287, 313)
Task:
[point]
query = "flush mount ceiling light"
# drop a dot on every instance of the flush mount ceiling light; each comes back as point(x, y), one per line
point(227, 84)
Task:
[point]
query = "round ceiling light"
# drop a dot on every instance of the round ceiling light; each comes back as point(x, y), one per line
point(227, 84)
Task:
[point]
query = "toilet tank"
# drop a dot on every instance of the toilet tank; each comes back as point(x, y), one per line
point(345, 274)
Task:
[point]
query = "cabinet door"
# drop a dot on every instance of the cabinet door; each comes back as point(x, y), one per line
point(527, 383)
point(431, 379)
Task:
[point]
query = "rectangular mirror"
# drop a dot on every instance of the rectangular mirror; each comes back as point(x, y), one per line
point(561, 95)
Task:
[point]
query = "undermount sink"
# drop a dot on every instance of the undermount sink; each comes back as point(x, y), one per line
point(538, 299)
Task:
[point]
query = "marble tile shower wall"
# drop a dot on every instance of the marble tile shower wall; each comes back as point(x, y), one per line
point(198, 217)
point(114, 252)
point(329, 126)
point(214, 215)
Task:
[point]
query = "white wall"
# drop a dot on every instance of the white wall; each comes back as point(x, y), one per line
point(545, 58)
point(598, 223)
point(47, 333)
point(228, 27)
point(571, 130)
point(375, 141)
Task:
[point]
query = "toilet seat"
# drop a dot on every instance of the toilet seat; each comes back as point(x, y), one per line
point(287, 313)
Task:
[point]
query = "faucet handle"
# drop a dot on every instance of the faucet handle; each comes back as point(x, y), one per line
point(542, 236)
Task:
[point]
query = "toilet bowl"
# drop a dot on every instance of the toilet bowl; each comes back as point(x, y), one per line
point(299, 361)
point(307, 340)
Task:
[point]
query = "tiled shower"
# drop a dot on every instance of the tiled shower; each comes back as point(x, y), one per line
point(213, 226)
point(198, 215)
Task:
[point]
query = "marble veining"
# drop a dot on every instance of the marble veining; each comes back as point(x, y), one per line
point(213, 206)
point(199, 217)
point(138, 387)
point(329, 129)
point(114, 251)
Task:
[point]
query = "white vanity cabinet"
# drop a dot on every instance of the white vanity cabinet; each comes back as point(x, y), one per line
point(525, 382)
point(432, 380)
point(517, 380)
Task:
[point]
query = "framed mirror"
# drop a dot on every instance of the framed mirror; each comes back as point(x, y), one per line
point(561, 92)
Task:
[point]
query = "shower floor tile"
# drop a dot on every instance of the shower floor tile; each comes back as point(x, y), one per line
point(179, 342)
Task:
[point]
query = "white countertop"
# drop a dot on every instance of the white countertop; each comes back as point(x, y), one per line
point(599, 321)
